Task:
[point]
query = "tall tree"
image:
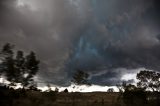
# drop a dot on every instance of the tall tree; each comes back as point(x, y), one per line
point(19, 66)
point(80, 78)
point(6, 54)
point(31, 67)
point(7, 65)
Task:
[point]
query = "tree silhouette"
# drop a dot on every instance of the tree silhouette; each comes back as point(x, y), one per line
point(17, 68)
point(66, 90)
point(7, 66)
point(6, 56)
point(110, 90)
point(31, 67)
point(80, 78)
point(133, 96)
point(149, 80)
point(7, 50)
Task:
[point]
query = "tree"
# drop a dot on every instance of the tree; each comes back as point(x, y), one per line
point(149, 80)
point(7, 65)
point(66, 90)
point(6, 56)
point(56, 90)
point(17, 68)
point(49, 88)
point(31, 67)
point(33, 87)
point(133, 96)
point(110, 90)
point(7, 50)
point(80, 78)
point(122, 86)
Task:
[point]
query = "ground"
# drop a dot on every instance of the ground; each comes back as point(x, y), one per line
point(11, 97)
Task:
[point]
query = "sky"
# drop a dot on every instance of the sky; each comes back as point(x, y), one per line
point(111, 40)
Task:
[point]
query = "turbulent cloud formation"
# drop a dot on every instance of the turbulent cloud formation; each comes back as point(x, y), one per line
point(106, 38)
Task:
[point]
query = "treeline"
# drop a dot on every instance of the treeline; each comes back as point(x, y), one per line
point(16, 67)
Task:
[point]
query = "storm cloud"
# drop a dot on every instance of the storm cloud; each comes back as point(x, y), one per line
point(106, 38)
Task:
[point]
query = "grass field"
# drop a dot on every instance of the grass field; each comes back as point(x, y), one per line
point(37, 98)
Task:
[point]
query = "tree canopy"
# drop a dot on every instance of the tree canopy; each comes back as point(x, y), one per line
point(149, 80)
point(80, 78)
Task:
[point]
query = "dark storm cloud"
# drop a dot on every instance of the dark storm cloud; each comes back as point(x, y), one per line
point(101, 37)
point(123, 35)
point(49, 28)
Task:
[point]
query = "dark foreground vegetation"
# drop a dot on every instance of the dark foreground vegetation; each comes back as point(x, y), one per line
point(22, 97)
point(21, 69)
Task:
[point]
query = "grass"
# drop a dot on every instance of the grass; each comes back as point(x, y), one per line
point(37, 98)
